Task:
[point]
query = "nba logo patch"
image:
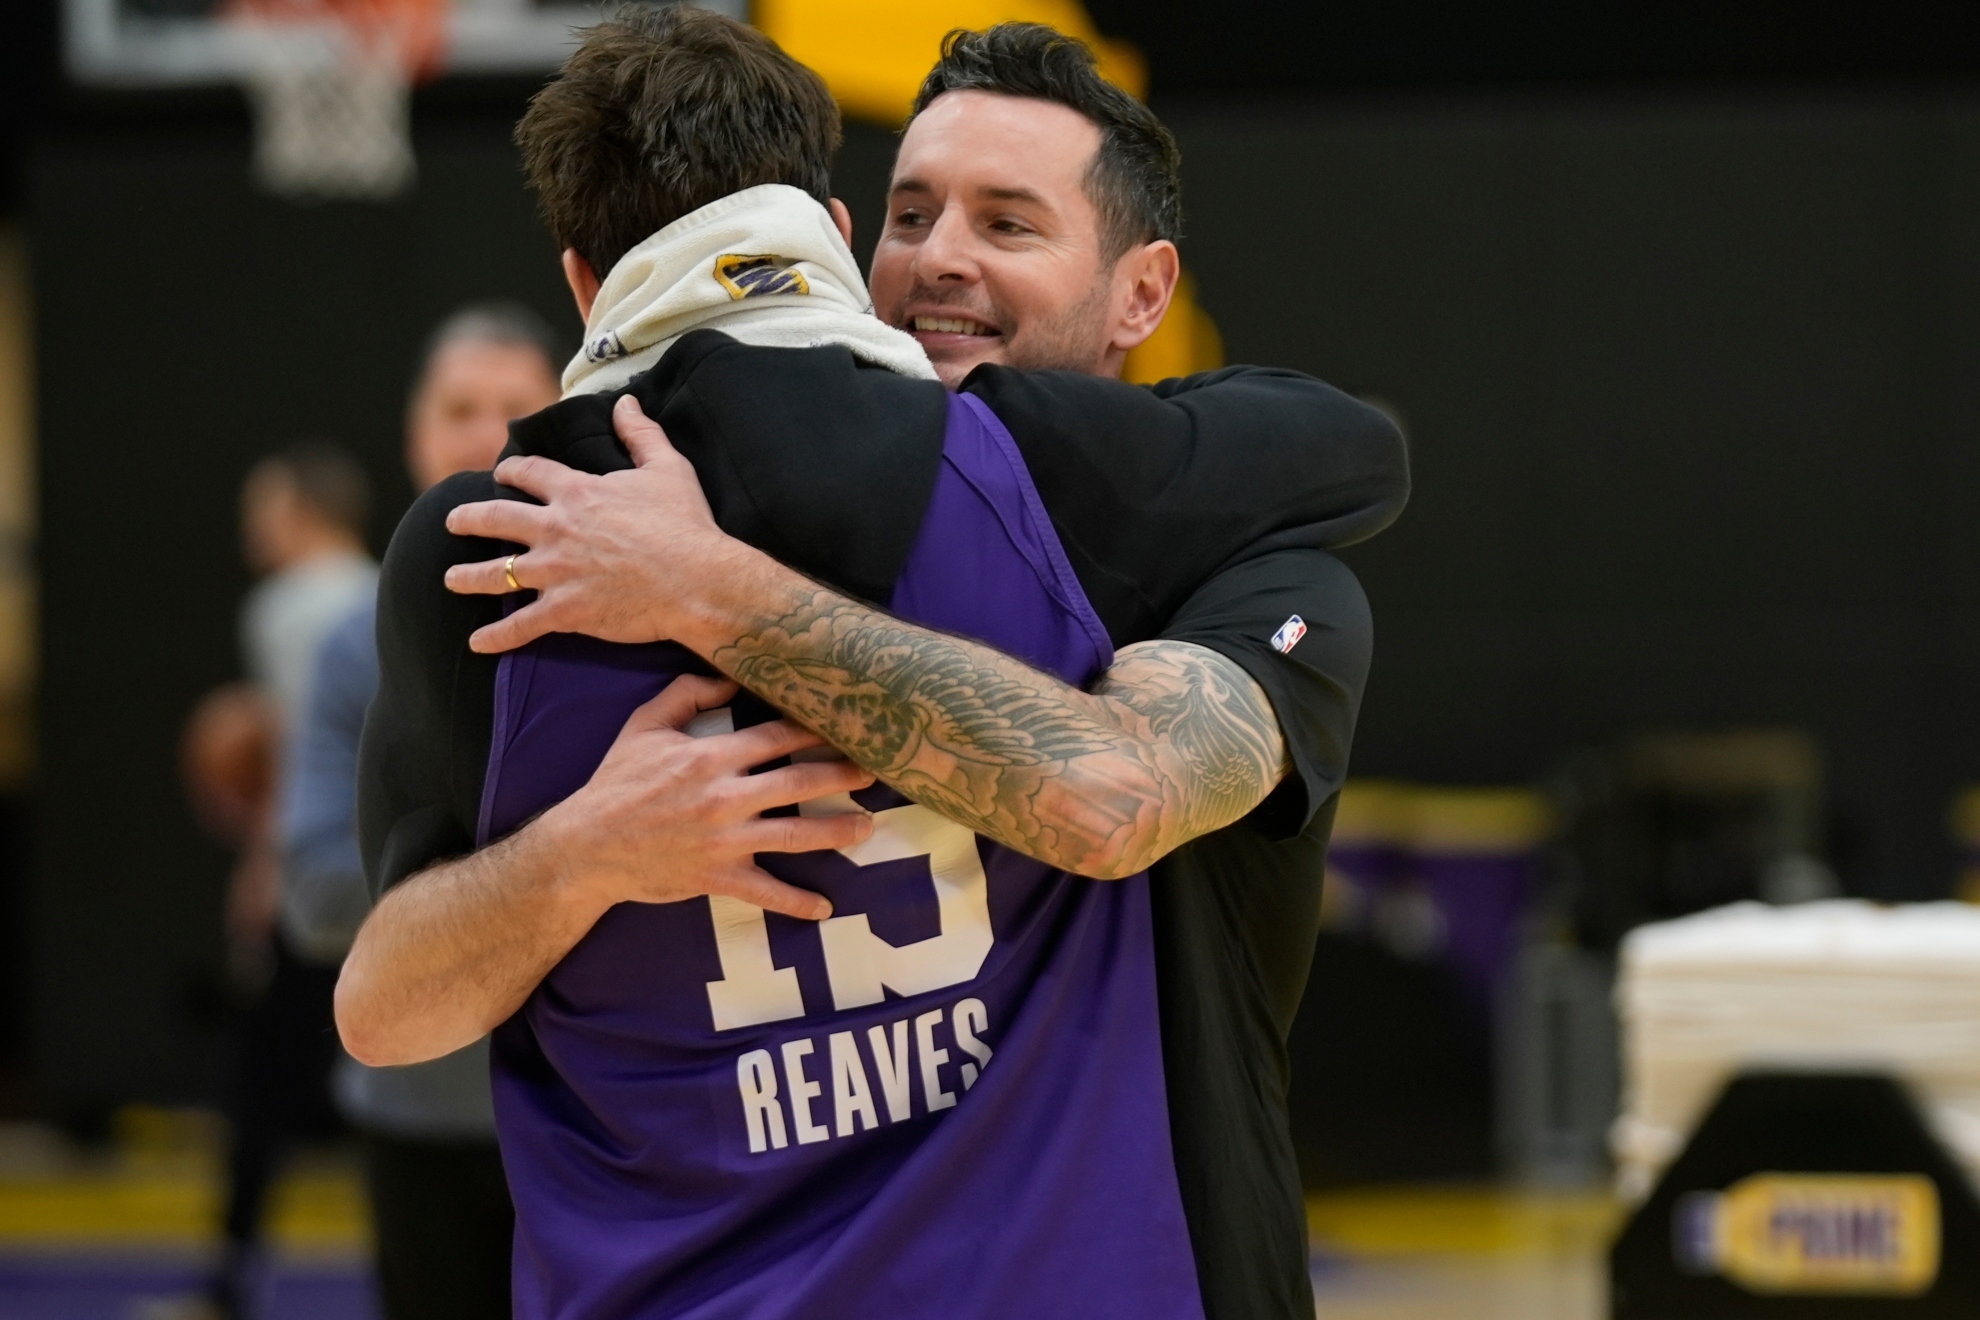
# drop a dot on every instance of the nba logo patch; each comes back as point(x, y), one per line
point(1289, 634)
point(758, 277)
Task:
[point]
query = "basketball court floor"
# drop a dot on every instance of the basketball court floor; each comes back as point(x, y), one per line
point(122, 1233)
point(1416, 1253)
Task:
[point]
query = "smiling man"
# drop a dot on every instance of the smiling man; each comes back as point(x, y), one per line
point(744, 1063)
point(1005, 190)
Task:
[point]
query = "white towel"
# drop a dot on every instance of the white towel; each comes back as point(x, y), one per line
point(765, 265)
point(1842, 984)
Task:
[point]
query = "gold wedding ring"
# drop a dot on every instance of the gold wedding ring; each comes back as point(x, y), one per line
point(509, 572)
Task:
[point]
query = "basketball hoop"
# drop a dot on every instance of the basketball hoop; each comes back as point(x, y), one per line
point(330, 85)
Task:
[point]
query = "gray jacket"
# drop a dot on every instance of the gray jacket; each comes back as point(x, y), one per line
point(325, 898)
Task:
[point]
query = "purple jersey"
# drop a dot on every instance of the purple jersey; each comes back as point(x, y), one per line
point(945, 1100)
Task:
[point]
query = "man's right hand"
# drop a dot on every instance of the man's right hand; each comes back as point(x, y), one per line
point(668, 816)
point(450, 953)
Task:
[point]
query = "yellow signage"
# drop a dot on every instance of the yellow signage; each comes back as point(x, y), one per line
point(1858, 1234)
point(873, 54)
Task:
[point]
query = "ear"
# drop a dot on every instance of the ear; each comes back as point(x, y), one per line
point(842, 218)
point(1145, 281)
point(583, 281)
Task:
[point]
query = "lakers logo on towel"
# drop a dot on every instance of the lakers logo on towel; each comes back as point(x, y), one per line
point(758, 277)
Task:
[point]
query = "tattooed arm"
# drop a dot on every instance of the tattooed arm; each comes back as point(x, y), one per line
point(1174, 741)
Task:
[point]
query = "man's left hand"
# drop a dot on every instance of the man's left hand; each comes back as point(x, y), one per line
point(617, 557)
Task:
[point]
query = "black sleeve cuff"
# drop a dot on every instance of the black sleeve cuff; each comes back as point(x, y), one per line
point(1314, 607)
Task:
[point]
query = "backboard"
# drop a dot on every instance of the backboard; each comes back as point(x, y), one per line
point(135, 44)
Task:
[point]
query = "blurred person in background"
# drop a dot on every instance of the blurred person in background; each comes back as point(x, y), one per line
point(227, 762)
point(302, 530)
point(439, 1201)
point(302, 533)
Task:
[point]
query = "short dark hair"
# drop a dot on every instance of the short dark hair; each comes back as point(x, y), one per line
point(326, 478)
point(495, 321)
point(661, 111)
point(1136, 177)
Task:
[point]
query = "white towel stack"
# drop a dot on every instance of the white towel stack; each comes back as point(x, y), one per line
point(1842, 984)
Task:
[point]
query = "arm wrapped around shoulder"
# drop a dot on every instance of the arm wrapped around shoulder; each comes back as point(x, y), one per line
point(1153, 490)
point(1298, 622)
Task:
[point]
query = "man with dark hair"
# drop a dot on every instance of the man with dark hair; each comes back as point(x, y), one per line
point(302, 529)
point(1135, 178)
point(659, 114)
point(987, 258)
point(717, 110)
point(302, 533)
point(981, 252)
point(482, 366)
point(681, 1140)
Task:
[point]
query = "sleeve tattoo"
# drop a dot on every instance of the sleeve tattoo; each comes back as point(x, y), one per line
point(1175, 740)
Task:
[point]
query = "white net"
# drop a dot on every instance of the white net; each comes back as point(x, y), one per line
point(332, 114)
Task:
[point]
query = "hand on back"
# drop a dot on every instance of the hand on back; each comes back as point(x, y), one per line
point(668, 816)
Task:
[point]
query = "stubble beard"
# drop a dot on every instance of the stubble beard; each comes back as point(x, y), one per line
point(1072, 339)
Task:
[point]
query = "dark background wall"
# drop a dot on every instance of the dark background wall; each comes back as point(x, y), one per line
point(1690, 383)
point(1688, 369)
point(188, 326)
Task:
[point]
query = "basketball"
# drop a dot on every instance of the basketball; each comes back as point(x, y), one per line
point(227, 760)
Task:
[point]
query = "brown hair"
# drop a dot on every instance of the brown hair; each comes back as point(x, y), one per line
point(658, 113)
point(1135, 180)
point(325, 477)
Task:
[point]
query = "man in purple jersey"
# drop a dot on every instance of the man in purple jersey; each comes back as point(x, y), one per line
point(1180, 738)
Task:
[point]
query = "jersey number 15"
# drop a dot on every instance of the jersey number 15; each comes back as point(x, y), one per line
point(860, 965)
